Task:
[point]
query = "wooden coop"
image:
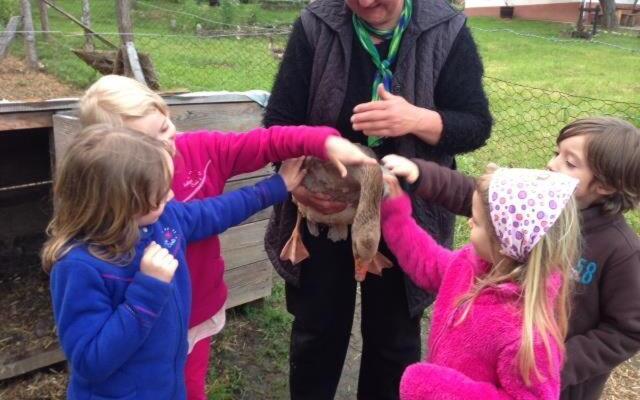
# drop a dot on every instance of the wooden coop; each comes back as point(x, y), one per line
point(31, 136)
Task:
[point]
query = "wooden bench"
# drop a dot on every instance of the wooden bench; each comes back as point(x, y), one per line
point(248, 272)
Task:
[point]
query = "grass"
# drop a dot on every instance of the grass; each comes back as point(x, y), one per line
point(574, 66)
point(185, 60)
point(251, 353)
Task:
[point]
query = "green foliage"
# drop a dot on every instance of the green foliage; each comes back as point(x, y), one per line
point(228, 10)
point(8, 8)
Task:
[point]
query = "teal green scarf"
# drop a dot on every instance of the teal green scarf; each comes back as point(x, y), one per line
point(383, 74)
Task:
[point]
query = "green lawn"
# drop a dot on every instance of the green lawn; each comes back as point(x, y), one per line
point(184, 60)
point(569, 65)
point(538, 79)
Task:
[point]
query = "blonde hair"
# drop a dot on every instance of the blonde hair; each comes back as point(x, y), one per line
point(556, 253)
point(114, 98)
point(107, 177)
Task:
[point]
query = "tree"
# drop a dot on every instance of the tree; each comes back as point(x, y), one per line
point(609, 19)
point(86, 19)
point(29, 35)
point(44, 20)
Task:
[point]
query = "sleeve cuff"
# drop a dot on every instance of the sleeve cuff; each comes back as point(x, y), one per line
point(274, 189)
point(413, 187)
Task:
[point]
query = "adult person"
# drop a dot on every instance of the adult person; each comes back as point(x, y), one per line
point(433, 107)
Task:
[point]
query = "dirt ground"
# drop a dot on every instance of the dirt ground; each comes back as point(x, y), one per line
point(249, 362)
point(18, 83)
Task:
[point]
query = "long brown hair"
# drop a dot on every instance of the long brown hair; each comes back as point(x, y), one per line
point(556, 253)
point(107, 177)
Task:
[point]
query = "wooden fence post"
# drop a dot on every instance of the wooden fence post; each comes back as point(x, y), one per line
point(134, 63)
point(86, 19)
point(6, 37)
point(29, 36)
point(44, 20)
point(125, 23)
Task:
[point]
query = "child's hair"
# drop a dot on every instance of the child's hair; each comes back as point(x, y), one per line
point(107, 176)
point(113, 98)
point(613, 154)
point(556, 252)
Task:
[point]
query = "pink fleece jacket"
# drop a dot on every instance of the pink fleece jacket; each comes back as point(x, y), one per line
point(476, 359)
point(204, 161)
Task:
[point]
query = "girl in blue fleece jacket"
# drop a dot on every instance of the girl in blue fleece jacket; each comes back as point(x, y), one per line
point(116, 251)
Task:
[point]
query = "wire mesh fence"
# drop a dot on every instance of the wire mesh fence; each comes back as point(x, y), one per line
point(194, 47)
point(528, 120)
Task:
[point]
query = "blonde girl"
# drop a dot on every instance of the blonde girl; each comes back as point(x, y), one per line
point(204, 161)
point(501, 313)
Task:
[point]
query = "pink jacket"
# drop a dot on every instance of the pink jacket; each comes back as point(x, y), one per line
point(476, 359)
point(203, 163)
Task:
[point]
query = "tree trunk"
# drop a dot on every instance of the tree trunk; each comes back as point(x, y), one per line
point(29, 36)
point(7, 36)
point(125, 22)
point(609, 19)
point(44, 20)
point(86, 19)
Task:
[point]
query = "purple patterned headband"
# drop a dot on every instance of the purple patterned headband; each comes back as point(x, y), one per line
point(524, 204)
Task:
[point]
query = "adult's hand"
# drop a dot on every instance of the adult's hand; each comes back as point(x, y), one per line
point(393, 116)
point(342, 152)
point(320, 202)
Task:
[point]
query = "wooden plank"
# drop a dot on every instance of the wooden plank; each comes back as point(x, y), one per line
point(8, 35)
point(134, 63)
point(248, 283)
point(237, 184)
point(235, 117)
point(30, 363)
point(265, 171)
point(172, 99)
point(244, 244)
point(223, 117)
point(16, 121)
point(65, 127)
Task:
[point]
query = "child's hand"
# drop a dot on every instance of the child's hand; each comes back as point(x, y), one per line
point(400, 166)
point(342, 152)
point(157, 262)
point(393, 186)
point(292, 172)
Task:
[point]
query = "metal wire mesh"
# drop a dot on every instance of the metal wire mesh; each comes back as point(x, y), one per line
point(238, 51)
